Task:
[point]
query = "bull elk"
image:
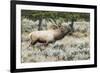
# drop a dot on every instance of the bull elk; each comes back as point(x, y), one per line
point(50, 35)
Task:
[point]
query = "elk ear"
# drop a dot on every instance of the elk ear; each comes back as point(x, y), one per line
point(62, 29)
point(55, 27)
point(59, 25)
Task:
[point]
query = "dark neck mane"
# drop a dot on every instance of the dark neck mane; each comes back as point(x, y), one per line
point(58, 34)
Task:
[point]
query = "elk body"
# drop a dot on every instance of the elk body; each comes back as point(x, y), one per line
point(48, 36)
